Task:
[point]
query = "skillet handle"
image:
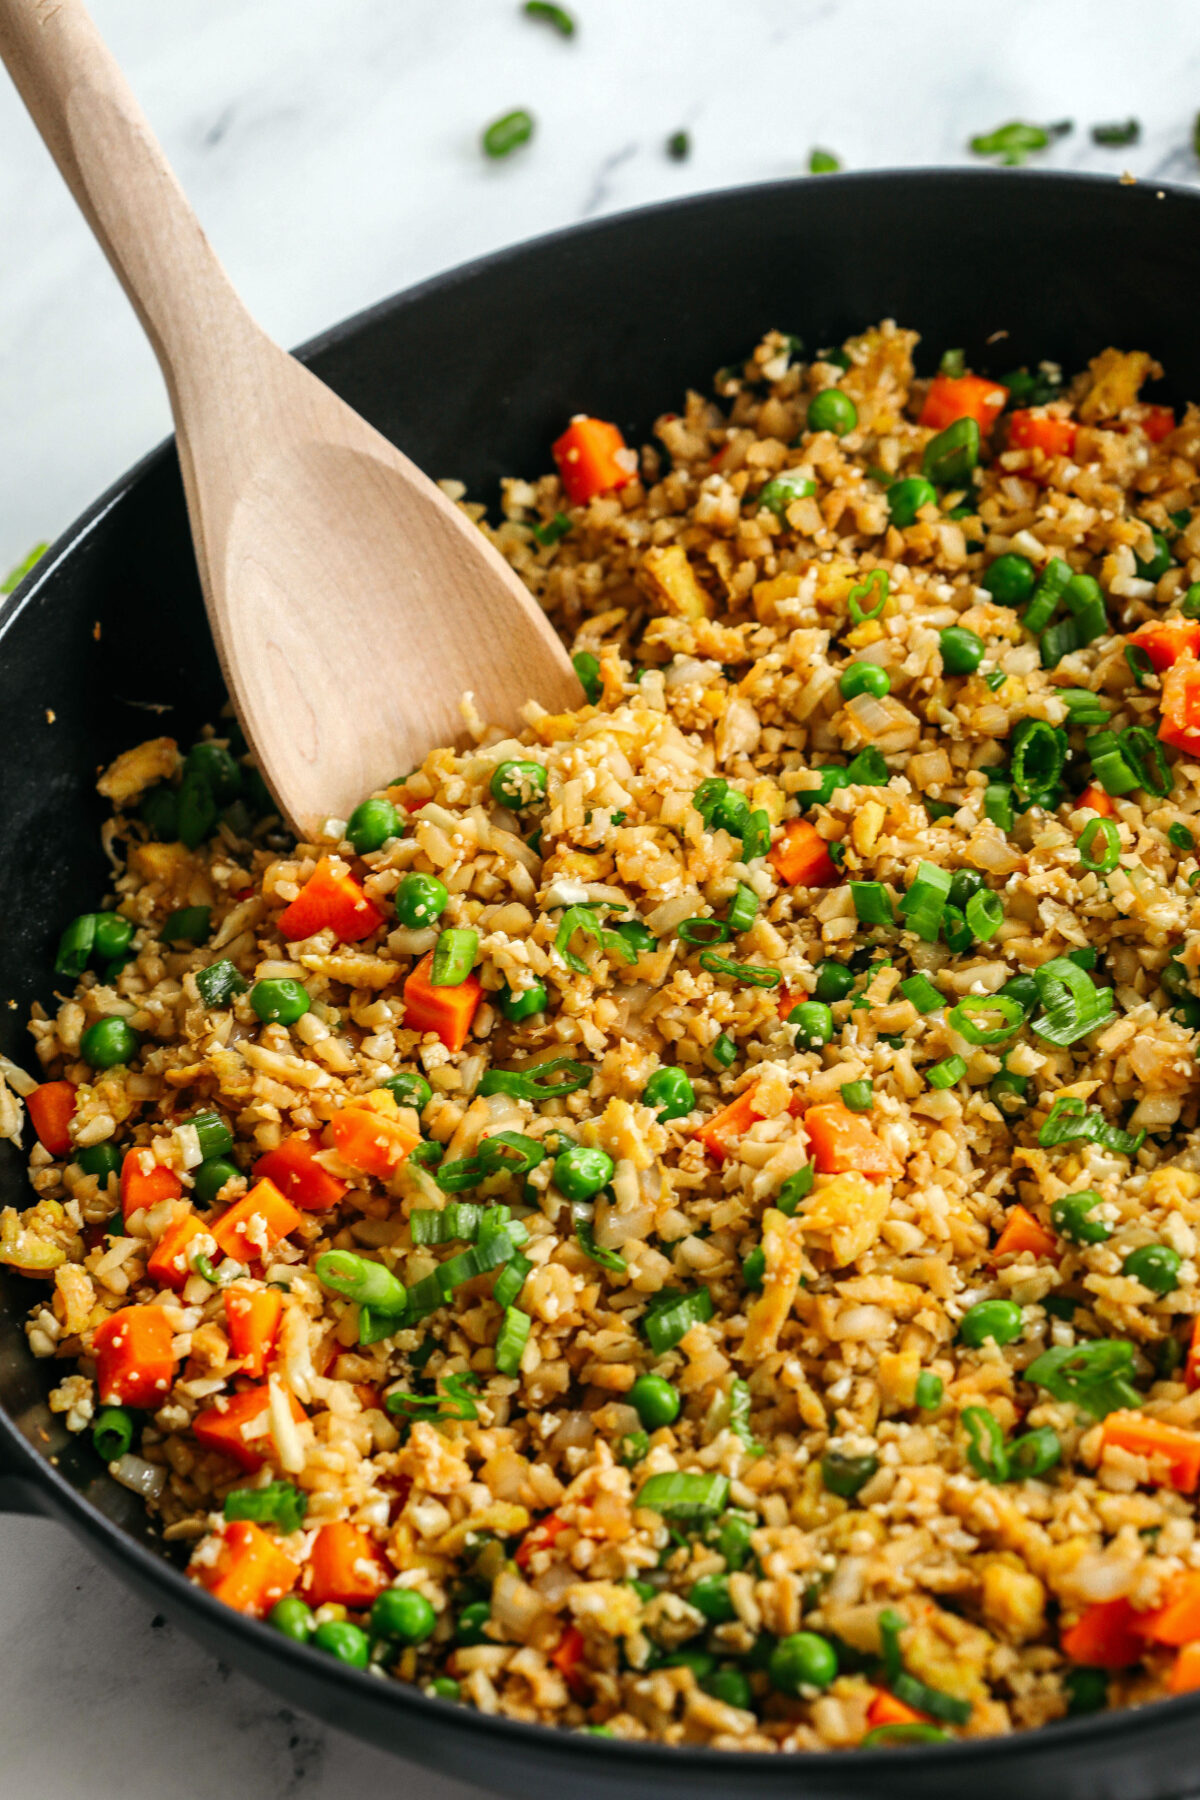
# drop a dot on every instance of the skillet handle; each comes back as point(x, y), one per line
point(115, 167)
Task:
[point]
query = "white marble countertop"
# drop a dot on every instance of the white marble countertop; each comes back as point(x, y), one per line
point(331, 151)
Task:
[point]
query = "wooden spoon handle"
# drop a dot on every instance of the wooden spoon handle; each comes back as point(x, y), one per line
point(115, 167)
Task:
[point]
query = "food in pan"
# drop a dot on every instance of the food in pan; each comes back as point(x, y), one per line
point(683, 1226)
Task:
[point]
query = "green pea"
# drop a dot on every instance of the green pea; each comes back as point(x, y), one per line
point(710, 1596)
point(844, 1474)
point(210, 1178)
point(421, 900)
point(864, 678)
point(754, 1269)
point(1156, 1266)
point(526, 1003)
point(198, 810)
point(108, 1043)
point(408, 1089)
point(1069, 1217)
point(469, 1626)
point(518, 783)
point(371, 824)
point(832, 410)
point(928, 1391)
point(962, 650)
point(402, 1616)
point(1087, 1691)
point(1010, 580)
point(280, 1002)
point(159, 812)
point(906, 498)
point(655, 1401)
point(344, 1642)
point(100, 1160)
point(834, 981)
point(670, 1091)
point(444, 1687)
point(291, 1616)
point(731, 1687)
point(814, 1023)
point(1000, 1320)
point(802, 1660)
point(113, 936)
point(1156, 566)
point(582, 1171)
point(215, 764)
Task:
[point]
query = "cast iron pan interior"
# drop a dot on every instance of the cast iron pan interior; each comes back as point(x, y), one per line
point(473, 374)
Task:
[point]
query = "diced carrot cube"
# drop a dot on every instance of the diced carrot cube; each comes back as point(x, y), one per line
point(1104, 1637)
point(1095, 798)
point(345, 1567)
point(1167, 641)
point(842, 1142)
point(1023, 1232)
point(236, 1425)
point(135, 1365)
point(145, 1182)
point(592, 459)
point(952, 397)
point(252, 1319)
point(1177, 1620)
point(168, 1262)
point(331, 897)
point(720, 1133)
point(1185, 1676)
point(801, 856)
point(366, 1140)
point(1047, 432)
point(295, 1171)
point(248, 1228)
point(568, 1659)
point(252, 1571)
point(885, 1709)
point(449, 1011)
point(1180, 706)
point(1166, 1447)
point(1158, 422)
point(51, 1109)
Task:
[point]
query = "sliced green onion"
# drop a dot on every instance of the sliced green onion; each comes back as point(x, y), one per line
point(586, 666)
point(955, 930)
point(985, 914)
point(1034, 1453)
point(549, 533)
point(1073, 1004)
point(1096, 1376)
point(607, 1259)
point(1139, 662)
point(1084, 707)
point(1009, 1011)
point(672, 1316)
point(756, 835)
point(1110, 766)
point(743, 909)
point(219, 983)
point(453, 1402)
point(877, 580)
point(858, 1096)
point(456, 1223)
point(998, 804)
point(188, 925)
point(544, 1081)
point(1052, 584)
point(514, 1335)
point(112, 1433)
point(508, 1284)
point(748, 974)
point(1069, 1121)
point(986, 1454)
point(453, 958)
point(558, 16)
point(582, 918)
point(945, 1073)
point(951, 456)
point(1039, 751)
point(702, 929)
point(723, 1050)
point(739, 1416)
point(279, 1503)
point(794, 1190)
point(1109, 846)
point(922, 906)
point(1144, 754)
point(921, 991)
point(872, 903)
point(720, 806)
point(831, 780)
point(1182, 838)
point(368, 1283)
point(684, 1496)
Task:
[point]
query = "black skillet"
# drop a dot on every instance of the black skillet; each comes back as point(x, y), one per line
point(473, 374)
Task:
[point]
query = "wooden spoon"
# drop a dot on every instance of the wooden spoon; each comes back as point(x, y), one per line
point(351, 603)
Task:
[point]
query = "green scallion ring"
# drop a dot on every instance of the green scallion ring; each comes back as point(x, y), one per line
point(1110, 855)
point(1010, 1012)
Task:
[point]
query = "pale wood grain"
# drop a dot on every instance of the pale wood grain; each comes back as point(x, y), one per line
point(351, 603)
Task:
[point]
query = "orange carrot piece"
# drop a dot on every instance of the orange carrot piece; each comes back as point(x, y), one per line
point(252, 1571)
point(1167, 641)
point(223, 1426)
point(1162, 1445)
point(568, 1659)
point(1158, 422)
point(1191, 1368)
point(1035, 430)
point(1177, 1621)
point(135, 1365)
point(295, 1171)
point(345, 1567)
point(952, 397)
point(801, 856)
point(252, 1321)
point(449, 1011)
point(1023, 1232)
point(331, 897)
point(145, 1182)
point(1104, 1637)
point(51, 1109)
point(368, 1141)
point(252, 1224)
point(592, 459)
point(168, 1262)
point(885, 1709)
point(1185, 1676)
point(842, 1141)
point(1094, 797)
point(1180, 706)
point(720, 1132)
